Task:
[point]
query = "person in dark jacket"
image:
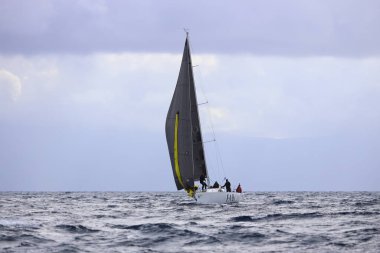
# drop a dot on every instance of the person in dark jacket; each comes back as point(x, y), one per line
point(227, 184)
point(202, 181)
point(216, 185)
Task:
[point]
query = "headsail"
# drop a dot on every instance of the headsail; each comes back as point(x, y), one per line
point(183, 132)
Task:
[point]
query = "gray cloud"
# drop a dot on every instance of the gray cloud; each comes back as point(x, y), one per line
point(10, 86)
point(339, 28)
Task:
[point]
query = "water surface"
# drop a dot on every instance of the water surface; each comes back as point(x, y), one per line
point(170, 222)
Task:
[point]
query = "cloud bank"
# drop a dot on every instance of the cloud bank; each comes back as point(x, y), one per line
point(344, 28)
point(271, 97)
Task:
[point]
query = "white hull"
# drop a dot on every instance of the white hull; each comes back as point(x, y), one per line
point(213, 196)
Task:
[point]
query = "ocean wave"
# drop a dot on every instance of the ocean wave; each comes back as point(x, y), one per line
point(245, 236)
point(313, 239)
point(363, 231)
point(24, 237)
point(101, 216)
point(251, 235)
point(150, 235)
point(159, 228)
point(282, 202)
point(66, 247)
point(208, 241)
point(243, 218)
point(76, 228)
point(277, 216)
point(367, 203)
point(27, 244)
point(354, 213)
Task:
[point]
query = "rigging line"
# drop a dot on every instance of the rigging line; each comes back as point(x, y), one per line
point(220, 157)
point(189, 69)
point(218, 153)
point(203, 93)
point(205, 141)
point(203, 103)
point(217, 149)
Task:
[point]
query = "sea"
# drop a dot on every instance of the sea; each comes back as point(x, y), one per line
point(171, 222)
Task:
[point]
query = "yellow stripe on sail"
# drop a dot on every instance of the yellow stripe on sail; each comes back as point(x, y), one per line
point(176, 164)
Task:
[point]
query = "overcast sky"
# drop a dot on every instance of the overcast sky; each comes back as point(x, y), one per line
point(293, 90)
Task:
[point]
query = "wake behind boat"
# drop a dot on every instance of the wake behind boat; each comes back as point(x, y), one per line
point(185, 142)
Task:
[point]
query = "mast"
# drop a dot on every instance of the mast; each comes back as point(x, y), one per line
point(198, 154)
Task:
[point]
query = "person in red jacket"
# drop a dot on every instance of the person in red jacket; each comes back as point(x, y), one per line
point(238, 189)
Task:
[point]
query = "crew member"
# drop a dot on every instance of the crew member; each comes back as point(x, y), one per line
point(202, 181)
point(227, 184)
point(238, 189)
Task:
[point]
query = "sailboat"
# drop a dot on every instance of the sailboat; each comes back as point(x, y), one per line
point(185, 142)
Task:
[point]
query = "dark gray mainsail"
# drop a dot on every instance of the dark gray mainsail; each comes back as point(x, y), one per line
point(183, 131)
